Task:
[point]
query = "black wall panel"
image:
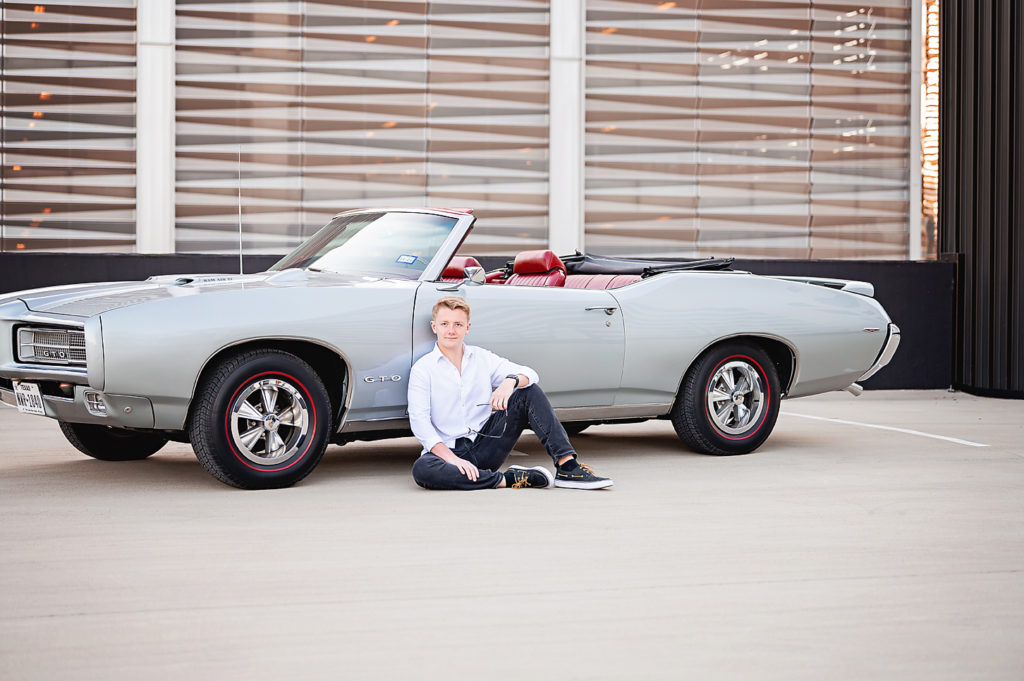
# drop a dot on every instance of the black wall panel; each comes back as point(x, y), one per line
point(918, 296)
point(981, 189)
point(19, 271)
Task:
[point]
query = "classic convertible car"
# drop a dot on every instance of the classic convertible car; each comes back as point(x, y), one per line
point(260, 372)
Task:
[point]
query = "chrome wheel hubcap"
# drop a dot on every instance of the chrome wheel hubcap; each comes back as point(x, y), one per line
point(735, 398)
point(269, 421)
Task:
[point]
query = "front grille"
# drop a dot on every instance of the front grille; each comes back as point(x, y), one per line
point(51, 346)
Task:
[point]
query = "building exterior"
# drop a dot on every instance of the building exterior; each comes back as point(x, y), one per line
point(756, 129)
point(703, 127)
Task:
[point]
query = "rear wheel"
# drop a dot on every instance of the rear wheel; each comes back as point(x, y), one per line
point(261, 420)
point(111, 444)
point(729, 401)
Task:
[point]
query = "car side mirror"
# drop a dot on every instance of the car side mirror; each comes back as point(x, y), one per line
point(474, 275)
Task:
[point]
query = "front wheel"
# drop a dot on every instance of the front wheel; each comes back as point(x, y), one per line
point(111, 444)
point(729, 400)
point(261, 420)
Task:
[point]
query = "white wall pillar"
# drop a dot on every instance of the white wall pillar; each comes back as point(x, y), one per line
point(154, 127)
point(565, 138)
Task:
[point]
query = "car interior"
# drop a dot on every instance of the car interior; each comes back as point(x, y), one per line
point(544, 268)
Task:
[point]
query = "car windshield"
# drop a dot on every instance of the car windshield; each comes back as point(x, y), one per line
point(389, 244)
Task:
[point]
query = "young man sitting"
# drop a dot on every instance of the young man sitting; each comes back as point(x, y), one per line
point(452, 392)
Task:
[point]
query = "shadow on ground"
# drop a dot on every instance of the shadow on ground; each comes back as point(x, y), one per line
point(611, 447)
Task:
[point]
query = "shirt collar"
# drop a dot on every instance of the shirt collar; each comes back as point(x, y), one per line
point(467, 352)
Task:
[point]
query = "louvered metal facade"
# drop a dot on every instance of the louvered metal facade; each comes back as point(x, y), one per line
point(758, 129)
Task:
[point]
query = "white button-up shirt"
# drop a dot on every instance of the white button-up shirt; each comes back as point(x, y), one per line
point(443, 402)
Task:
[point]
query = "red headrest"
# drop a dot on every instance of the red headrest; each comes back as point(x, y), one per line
point(537, 262)
point(458, 264)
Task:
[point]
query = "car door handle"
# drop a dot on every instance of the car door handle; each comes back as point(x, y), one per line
point(608, 310)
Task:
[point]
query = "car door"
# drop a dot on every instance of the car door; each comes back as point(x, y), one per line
point(573, 338)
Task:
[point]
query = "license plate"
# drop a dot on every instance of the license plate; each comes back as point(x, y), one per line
point(30, 401)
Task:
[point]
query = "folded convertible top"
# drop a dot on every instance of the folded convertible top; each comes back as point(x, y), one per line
point(585, 263)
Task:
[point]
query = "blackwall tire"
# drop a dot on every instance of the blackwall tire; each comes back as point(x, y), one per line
point(111, 444)
point(261, 419)
point(729, 400)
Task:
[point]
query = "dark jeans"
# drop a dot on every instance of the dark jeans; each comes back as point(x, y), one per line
point(527, 406)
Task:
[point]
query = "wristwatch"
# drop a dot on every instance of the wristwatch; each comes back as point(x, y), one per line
point(514, 377)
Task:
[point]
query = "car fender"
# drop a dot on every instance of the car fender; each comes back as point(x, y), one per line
point(824, 328)
point(159, 349)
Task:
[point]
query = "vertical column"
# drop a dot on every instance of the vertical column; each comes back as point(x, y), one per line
point(915, 216)
point(565, 145)
point(154, 125)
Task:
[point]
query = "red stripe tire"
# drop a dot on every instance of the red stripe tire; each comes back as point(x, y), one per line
point(729, 400)
point(260, 419)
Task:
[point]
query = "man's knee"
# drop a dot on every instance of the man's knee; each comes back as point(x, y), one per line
point(423, 472)
point(534, 396)
point(530, 393)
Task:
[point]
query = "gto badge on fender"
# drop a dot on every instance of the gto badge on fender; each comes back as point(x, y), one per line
point(381, 379)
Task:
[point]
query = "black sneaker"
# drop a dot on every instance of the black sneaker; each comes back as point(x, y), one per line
point(517, 477)
point(580, 476)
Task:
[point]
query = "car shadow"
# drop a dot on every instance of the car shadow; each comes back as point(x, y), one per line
point(176, 465)
point(162, 469)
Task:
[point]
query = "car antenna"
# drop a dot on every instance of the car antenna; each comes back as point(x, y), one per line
point(240, 208)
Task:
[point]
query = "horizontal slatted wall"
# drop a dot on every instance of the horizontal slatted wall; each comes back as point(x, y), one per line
point(307, 108)
point(757, 128)
point(68, 170)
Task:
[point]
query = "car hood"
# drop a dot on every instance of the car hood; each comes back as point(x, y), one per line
point(86, 300)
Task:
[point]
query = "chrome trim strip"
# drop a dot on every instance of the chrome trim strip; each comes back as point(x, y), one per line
point(349, 387)
point(94, 352)
point(29, 338)
point(397, 423)
point(7, 398)
point(451, 243)
point(785, 389)
point(68, 374)
point(47, 318)
point(892, 342)
point(625, 411)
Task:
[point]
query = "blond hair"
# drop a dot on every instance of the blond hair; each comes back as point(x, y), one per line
point(452, 303)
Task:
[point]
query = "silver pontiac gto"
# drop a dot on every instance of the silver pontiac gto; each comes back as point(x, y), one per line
point(260, 372)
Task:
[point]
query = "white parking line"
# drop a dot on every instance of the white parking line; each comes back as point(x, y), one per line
point(898, 430)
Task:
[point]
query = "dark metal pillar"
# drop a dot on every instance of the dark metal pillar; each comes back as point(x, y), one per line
point(981, 188)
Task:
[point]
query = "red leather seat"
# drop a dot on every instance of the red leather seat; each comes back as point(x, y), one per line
point(537, 268)
point(603, 281)
point(457, 267)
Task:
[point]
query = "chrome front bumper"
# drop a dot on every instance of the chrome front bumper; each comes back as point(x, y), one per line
point(888, 350)
point(122, 411)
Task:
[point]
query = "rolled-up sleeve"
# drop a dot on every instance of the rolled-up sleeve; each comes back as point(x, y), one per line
point(419, 409)
point(501, 367)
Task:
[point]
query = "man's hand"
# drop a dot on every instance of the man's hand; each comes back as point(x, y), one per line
point(499, 398)
point(466, 468)
point(448, 456)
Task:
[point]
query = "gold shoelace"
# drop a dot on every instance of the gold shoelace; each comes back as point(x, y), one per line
point(522, 479)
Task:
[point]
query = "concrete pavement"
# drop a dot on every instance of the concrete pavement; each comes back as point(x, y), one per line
point(837, 551)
